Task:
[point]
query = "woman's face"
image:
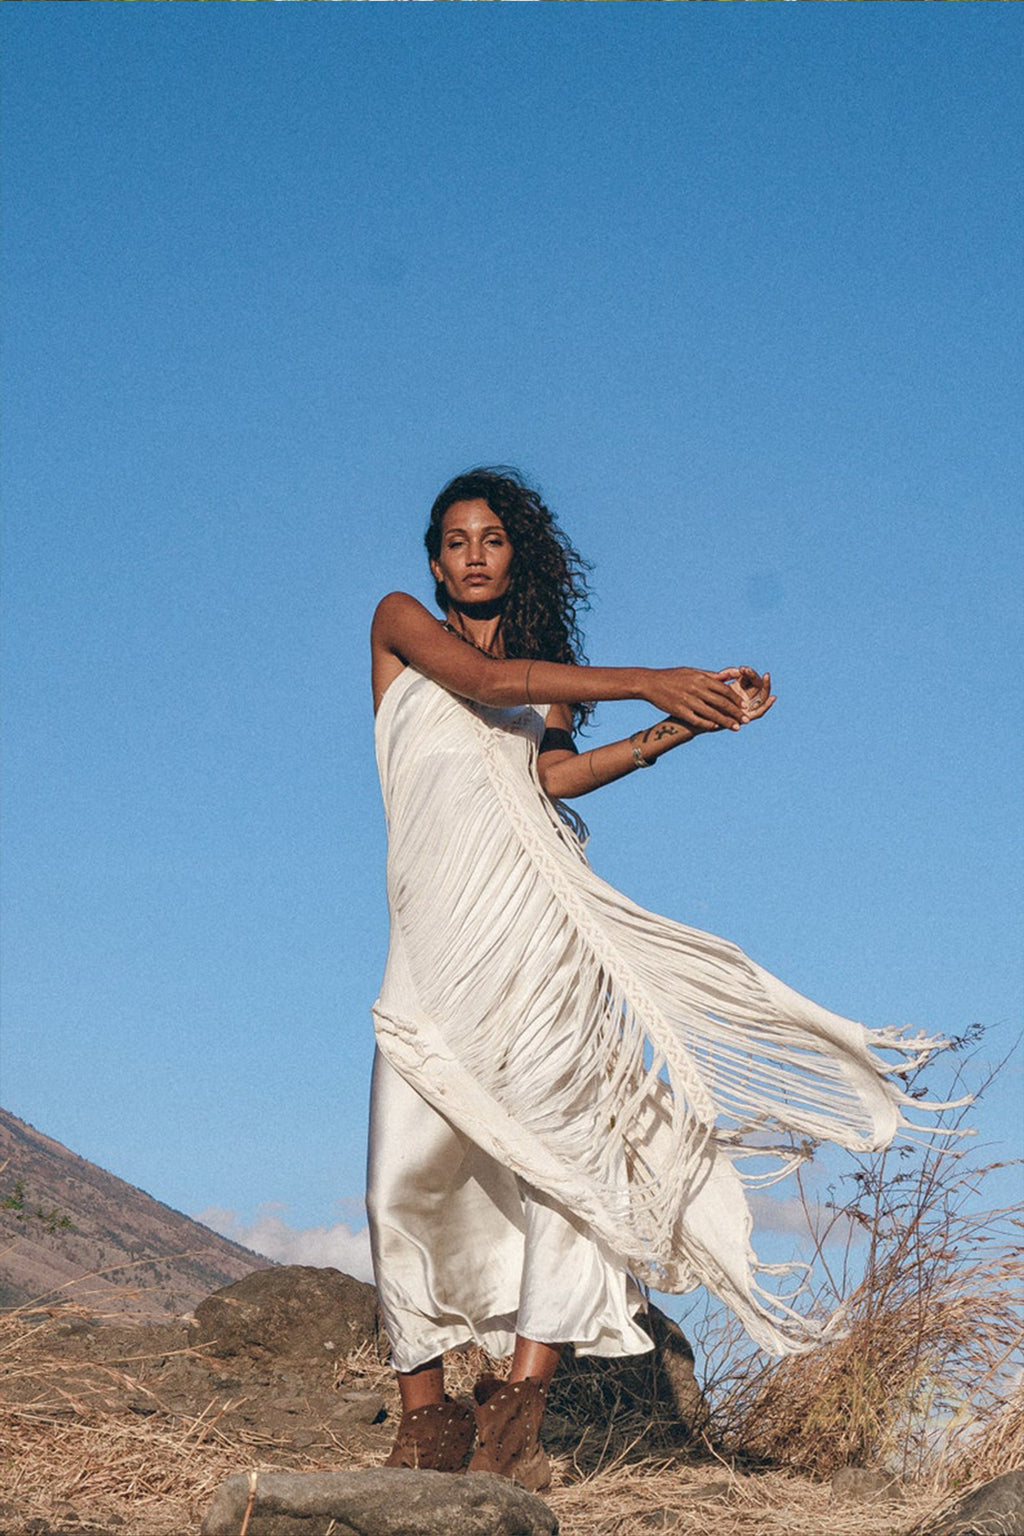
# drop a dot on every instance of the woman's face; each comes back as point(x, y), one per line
point(475, 563)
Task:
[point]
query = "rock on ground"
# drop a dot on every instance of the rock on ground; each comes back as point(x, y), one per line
point(296, 1312)
point(866, 1485)
point(378, 1502)
point(662, 1385)
point(677, 1378)
point(994, 1509)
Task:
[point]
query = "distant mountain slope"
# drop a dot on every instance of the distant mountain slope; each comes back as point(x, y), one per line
point(70, 1230)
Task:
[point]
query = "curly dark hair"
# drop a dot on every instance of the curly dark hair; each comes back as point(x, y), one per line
point(547, 580)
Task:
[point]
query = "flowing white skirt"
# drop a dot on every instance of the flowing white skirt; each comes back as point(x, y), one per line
point(466, 1252)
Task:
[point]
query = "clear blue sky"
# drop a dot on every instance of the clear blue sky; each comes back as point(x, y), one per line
point(740, 289)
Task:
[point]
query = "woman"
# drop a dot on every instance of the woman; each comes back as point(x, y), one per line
point(565, 1084)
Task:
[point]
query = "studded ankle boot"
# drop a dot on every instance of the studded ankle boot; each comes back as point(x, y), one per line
point(508, 1418)
point(434, 1439)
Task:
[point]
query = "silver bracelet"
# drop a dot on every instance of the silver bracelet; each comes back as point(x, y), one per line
point(642, 762)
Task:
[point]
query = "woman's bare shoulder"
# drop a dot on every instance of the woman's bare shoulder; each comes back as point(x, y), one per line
point(405, 631)
point(402, 627)
point(400, 618)
point(397, 619)
point(397, 605)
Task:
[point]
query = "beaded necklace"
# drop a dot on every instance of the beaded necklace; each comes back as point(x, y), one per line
point(468, 639)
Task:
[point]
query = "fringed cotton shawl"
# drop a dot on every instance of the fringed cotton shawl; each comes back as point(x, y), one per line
point(642, 1073)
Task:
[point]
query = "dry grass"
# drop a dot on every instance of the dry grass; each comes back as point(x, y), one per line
point(67, 1447)
point(934, 1333)
point(70, 1445)
point(714, 1501)
point(998, 1448)
point(919, 1385)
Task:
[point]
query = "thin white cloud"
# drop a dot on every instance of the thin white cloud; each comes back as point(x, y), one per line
point(270, 1235)
point(791, 1214)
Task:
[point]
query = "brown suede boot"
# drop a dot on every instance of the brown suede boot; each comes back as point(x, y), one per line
point(435, 1439)
point(508, 1418)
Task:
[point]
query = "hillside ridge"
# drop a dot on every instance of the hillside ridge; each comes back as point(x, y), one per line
point(69, 1230)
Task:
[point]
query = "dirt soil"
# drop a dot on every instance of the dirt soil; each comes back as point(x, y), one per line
point(112, 1429)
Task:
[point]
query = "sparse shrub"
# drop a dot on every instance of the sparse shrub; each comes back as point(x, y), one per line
point(15, 1202)
point(930, 1289)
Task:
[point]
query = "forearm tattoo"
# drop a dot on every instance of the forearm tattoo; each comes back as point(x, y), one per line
point(659, 732)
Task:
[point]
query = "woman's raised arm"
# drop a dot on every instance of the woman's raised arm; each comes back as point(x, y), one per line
point(404, 633)
point(565, 774)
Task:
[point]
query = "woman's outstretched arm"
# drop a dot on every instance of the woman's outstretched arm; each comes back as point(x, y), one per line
point(566, 774)
point(405, 633)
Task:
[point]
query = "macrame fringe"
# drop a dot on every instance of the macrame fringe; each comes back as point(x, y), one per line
point(624, 1063)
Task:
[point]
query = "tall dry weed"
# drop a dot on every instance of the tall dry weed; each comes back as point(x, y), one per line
point(929, 1283)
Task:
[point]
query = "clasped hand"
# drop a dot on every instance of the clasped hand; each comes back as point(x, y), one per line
point(713, 701)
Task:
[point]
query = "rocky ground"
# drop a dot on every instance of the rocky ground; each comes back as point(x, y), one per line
point(121, 1429)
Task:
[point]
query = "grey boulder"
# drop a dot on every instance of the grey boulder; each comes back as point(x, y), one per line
point(995, 1508)
point(376, 1502)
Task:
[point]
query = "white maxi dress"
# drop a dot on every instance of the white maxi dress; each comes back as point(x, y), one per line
point(571, 1093)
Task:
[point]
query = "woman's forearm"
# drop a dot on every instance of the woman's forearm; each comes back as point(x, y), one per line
point(698, 699)
point(568, 775)
point(555, 682)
